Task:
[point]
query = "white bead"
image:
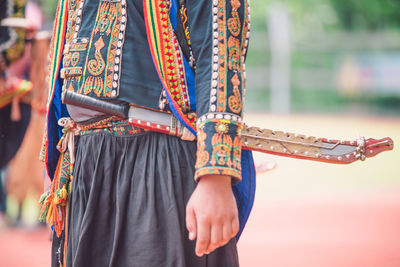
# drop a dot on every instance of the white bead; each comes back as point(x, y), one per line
point(117, 60)
point(214, 83)
point(228, 117)
point(113, 93)
point(213, 108)
point(210, 116)
point(115, 84)
point(219, 116)
point(213, 99)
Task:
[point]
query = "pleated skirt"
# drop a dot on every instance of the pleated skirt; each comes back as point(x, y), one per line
point(128, 201)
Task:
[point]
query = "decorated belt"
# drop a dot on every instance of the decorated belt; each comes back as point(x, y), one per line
point(253, 138)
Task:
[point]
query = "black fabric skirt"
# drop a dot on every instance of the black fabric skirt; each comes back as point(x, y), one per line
point(127, 204)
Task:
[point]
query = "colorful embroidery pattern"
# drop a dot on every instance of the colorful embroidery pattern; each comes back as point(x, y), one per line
point(184, 20)
point(222, 74)
point(237, 153)
point(118, 128)
point(222, 146)
point(235, 100)
point(96, 66)
point(234, 24)
point(202, 155)
point(219, 147)
point(167, 57)
point(99, 55)
point(228, 60)
point(234, 54)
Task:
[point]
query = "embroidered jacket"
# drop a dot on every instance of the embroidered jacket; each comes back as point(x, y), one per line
point(198, 49)
point(189, 54)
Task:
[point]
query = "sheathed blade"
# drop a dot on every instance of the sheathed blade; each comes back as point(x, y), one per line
point(312, 148)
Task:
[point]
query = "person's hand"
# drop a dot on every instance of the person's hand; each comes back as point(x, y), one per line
point(211, 214)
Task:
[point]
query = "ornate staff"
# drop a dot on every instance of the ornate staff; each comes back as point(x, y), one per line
point(253, 138)
point(313, 148)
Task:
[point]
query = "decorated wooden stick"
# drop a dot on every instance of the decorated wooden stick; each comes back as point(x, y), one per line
point(313, 148)
point(253, 138)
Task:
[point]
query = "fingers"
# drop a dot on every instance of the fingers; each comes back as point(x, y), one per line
point(203, 237)
point(227, 233)
point(216, 238)
point(235, 226)
point(212, 235)
point(191, 223)
point(220, 235)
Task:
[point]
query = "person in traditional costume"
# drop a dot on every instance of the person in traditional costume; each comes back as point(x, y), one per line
point(127, 189)
point(14, 66)
point(24, 172)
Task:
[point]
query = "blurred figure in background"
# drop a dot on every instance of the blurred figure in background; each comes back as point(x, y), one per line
point(19, 21)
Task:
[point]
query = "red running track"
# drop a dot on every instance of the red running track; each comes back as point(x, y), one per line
point(335, 233)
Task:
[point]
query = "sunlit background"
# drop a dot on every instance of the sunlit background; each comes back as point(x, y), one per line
point(329, 68)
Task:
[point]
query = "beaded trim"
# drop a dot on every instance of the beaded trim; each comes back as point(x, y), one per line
point(215, 54)
point(245, 44)
point(218, 115)
point(118, 57)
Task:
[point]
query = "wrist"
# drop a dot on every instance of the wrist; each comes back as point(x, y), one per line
point(214, 179)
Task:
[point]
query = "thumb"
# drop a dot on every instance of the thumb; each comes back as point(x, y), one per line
point(191, 223)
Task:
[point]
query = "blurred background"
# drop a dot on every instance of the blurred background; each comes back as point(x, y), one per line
point(329, 68)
